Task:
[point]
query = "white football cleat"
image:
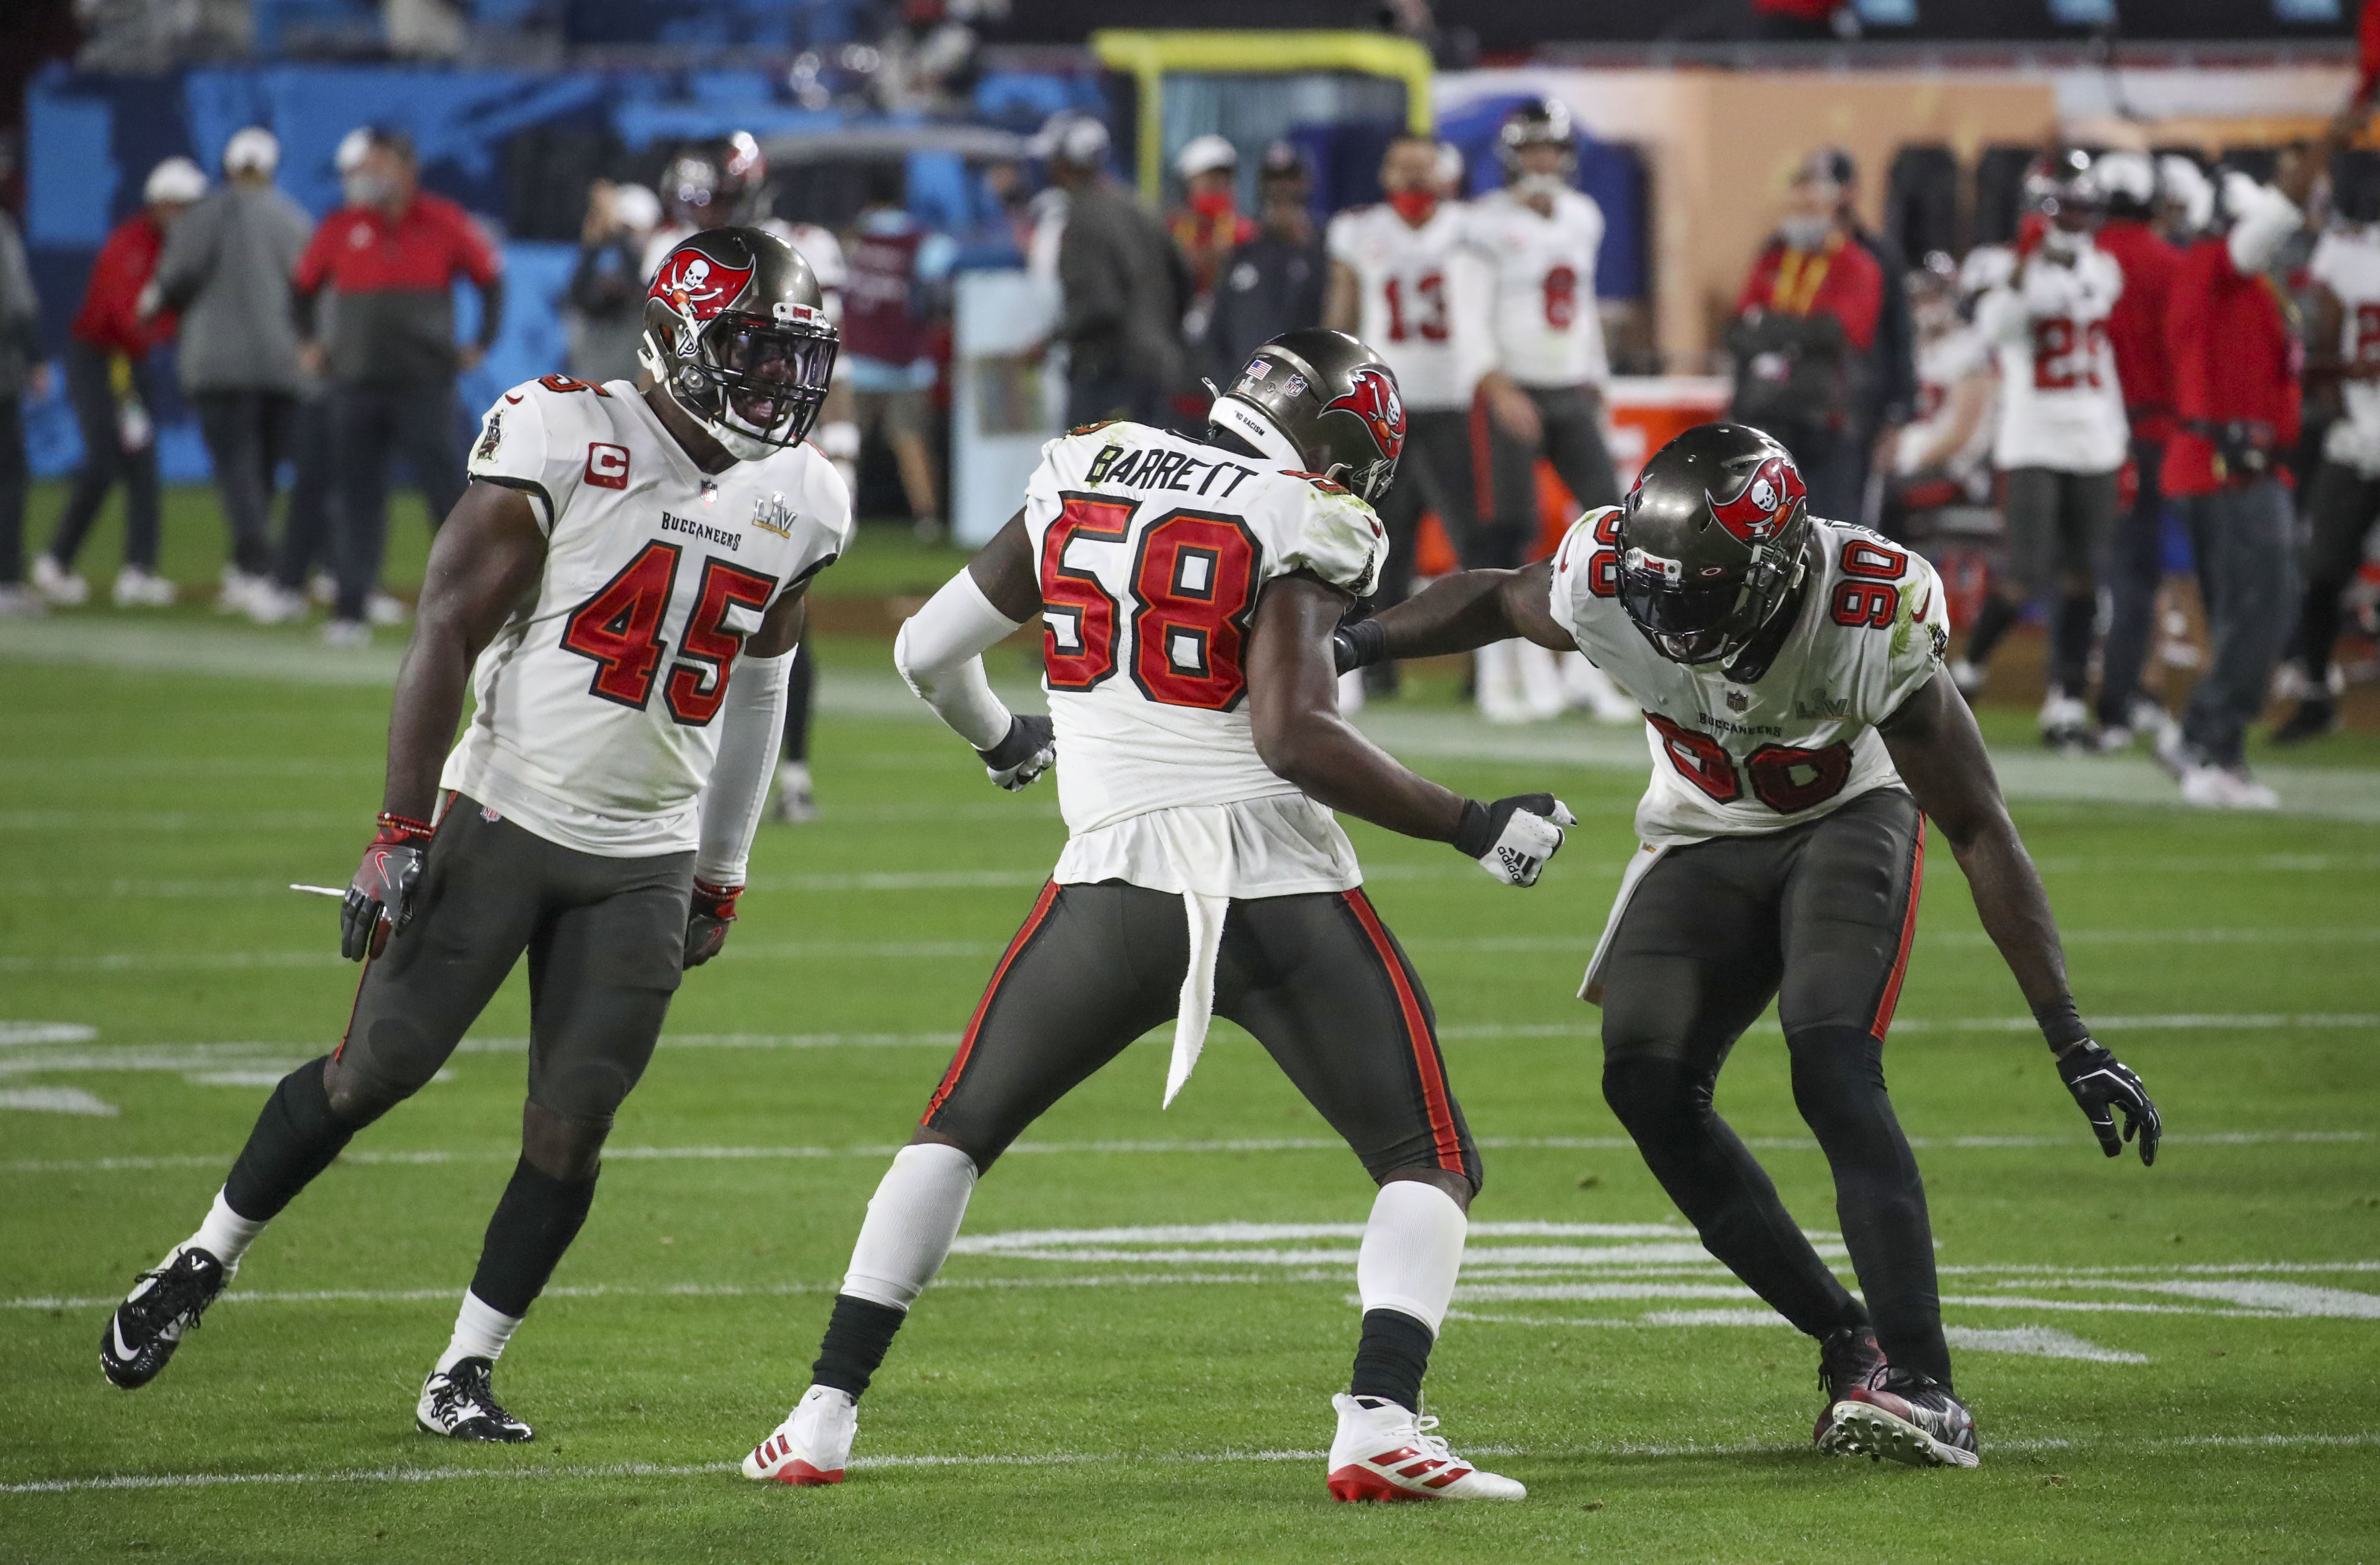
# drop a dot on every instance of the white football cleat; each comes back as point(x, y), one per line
point(1382, 1451)
point(2218, 787)
point(56, 583)
point(813, 1445)
point(139, 589)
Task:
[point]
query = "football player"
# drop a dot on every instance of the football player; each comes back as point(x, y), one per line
point(1543, 393)
point(1802, 729)
point(2063, 438)
point(1404, 279)
point(1188, 590)
point(616, 556)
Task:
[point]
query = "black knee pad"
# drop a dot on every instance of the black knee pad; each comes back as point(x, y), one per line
point(1838, 1078)
point(1652, 1091)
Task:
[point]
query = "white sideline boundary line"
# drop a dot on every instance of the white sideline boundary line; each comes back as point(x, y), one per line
point(137, 1480)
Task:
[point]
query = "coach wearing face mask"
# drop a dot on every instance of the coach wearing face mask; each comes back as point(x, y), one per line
point(1803, 334)
point(393, 253)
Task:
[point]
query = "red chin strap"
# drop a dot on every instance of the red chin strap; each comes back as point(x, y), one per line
point(1415, 207)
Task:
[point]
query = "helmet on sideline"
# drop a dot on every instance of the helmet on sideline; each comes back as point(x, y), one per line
point(1540, 122)
point(1323, 400)
point(736, 333)
point(2061, 187)
point(1711, 540)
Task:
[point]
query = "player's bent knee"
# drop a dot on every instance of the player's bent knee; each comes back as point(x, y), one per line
point(563, 1147)
point(1458, 1188)
point(357, 1099)
point(1653, 1092)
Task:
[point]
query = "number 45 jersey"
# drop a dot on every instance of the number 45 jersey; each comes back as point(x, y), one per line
point(1732, 759)
point(1152, 550)
point(597, 701)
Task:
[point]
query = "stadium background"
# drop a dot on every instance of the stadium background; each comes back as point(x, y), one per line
point(2179, 1359)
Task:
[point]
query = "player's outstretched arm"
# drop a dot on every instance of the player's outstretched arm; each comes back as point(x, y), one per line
point(485, 561)
point(940, 652)
point(1456, 613)
point(1294, 708)
point(1940, 755)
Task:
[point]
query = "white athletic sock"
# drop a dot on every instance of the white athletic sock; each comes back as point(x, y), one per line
point(480, 1332)
point(1413, 1248)
point(911, 1219)
point(794, 773)
point(226, 1234)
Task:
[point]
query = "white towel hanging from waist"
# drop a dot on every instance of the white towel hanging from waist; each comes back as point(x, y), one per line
point(1206, 915)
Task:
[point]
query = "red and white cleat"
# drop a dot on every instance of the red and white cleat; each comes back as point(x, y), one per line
point(813, 1445)
point(1383, 1451)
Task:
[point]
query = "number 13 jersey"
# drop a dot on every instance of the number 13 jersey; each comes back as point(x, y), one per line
point(1732, 759)
point(1152, 550)
point(597, 702)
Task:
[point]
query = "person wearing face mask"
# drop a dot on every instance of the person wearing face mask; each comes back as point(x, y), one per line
point(1805, 326)
point(393, 252)
point(1401, 276)
point(2062, 438)
point(1271, 282)
point(1209, 223)
point(1540, 236)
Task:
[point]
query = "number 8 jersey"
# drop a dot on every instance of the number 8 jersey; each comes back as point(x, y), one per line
point(1152, 550)
point(595, 703)
point(1734, 759)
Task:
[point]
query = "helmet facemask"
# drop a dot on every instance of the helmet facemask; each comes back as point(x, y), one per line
point(1714, 619)
point(756, 385)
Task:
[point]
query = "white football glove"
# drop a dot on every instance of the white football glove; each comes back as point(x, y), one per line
point(1511, 839)
point(1030, 749)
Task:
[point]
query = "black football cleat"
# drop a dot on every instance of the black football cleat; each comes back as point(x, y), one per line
point(1907, 1417)
point(2315, 716)
point(148, 1325)
point(1849, 1360)
point(461, 1404)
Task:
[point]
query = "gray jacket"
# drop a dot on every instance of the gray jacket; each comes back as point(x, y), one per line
point(1123, 287)
point(226, 268)
point(21, 314)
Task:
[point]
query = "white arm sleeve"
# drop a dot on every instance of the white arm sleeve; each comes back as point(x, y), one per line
point(750, 723)
point(940, 652)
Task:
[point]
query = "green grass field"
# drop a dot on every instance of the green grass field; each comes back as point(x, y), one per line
point(2175, 1364)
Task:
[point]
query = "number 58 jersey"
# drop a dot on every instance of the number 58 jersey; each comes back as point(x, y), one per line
point(597, 702)
point(1731, 760)
point(1152, 550)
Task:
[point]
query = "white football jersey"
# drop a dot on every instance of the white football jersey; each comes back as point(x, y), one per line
point(1943, 363)
point(1413, 305)
point(1734, 759)
point(1152, 550)
point(595, 701)
point(2061, 405)
point(2346, 262)
point(1547, 329)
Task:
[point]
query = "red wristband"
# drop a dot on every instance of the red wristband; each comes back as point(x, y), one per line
point(402, 829)
point(716, 902)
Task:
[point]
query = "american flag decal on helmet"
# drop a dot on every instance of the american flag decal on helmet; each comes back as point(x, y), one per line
point(1765, 502)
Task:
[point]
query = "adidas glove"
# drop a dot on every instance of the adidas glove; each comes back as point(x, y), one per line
point(1030, 749)
point(712, 909)
point(1513, 838)
point(2103, 1084)
point(379, 900)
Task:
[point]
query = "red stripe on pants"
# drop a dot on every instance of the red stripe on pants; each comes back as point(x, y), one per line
point(1425, 1046)
point(975, 1024)
point(1883, 1023)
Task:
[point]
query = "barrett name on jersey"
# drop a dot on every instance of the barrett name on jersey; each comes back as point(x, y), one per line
point(1153, 551)
point(1733, 759)
point(594, 703)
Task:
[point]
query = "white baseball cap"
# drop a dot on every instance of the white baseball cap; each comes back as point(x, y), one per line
point(2127, 174)
point(353, 149)
point(1204, 156)
point(1076, 138)
point(175, 179)
point(636, 206)
point(253, 148)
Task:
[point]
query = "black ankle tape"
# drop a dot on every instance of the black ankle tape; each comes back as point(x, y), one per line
point(1391, 1359)
point(858, 1335)
point(534, 1223)
point(295, 1137)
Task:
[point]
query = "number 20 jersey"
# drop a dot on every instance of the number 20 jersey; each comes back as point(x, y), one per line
point(1152, 550)
point(1732, 759)
point(597, 701)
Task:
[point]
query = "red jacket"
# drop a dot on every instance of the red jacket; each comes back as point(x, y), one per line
point(1842, 281)
point(396, 278)
point(121, 269)
point(2233, 358)
point(2136, 326)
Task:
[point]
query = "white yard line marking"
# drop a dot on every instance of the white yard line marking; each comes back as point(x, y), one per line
point(2036, 1341)
point(1616, 1449)
point(57, 1101)
point(16, 1034)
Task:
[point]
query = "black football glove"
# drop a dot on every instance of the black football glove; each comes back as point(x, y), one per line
point(1030, 749)
point(2103, 1084)
point(1513, 838)
point(707, 918)
point(379, 900)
